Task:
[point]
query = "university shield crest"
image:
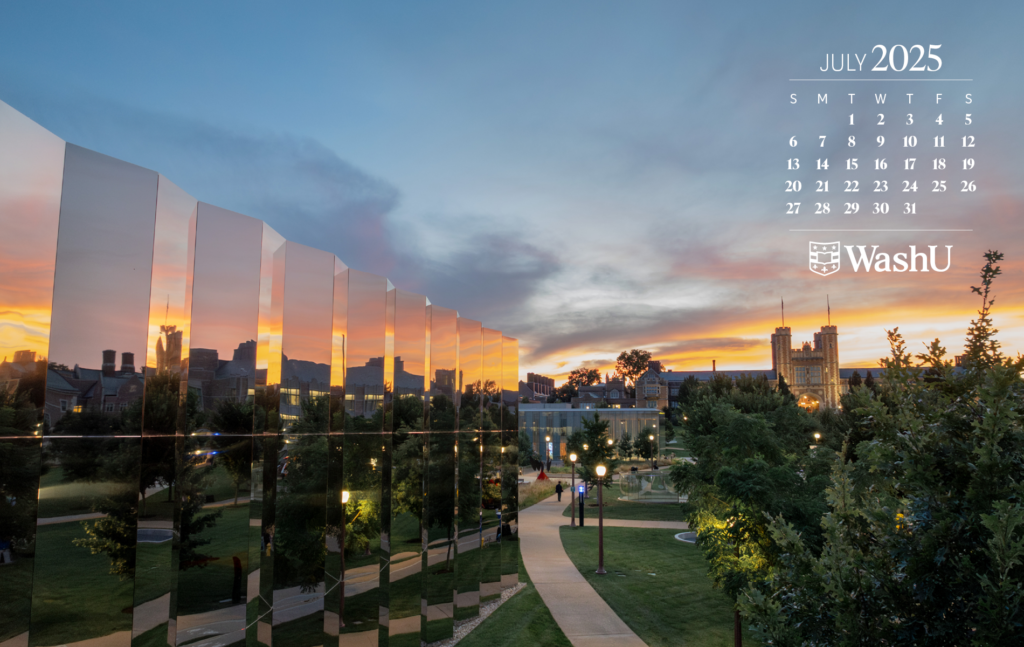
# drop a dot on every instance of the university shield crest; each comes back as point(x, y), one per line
point(824, 258)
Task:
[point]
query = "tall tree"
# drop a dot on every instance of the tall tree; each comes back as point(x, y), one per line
point(583, 377)
point(631, 364)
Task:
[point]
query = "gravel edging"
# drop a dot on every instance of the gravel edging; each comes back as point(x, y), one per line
point(463, 628)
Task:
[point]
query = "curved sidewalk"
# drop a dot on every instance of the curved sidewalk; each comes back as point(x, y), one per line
point(582, 614)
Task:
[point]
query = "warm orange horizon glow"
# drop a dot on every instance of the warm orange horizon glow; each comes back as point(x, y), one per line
point(31, 172)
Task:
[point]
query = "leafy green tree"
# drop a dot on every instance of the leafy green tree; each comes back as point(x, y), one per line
point(855, 380)
point(300, 525)
point(923, 539)
point(751, 449)
point(595, 436)
point(625, 446)
point(631, 364)
point(583, 376)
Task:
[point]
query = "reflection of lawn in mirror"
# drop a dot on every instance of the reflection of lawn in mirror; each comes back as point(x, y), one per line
point(76, 596)
point(60, 499)
point(203, 588)
point(632, 510)
point(152, 571)
point(675, 606)
point(15, 596)
point(220, 486)
point(307, 631)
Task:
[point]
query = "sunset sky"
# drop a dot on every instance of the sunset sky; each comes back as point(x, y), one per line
point(587, 177)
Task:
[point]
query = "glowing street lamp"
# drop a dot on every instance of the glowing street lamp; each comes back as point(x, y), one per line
point(651, 437)
point(573, 457)
point(601, 470)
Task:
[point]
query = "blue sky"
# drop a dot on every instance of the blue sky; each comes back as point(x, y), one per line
point(586, 176)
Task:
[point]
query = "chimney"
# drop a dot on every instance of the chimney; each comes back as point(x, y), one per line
point(109, 363)
point(713, 369)
point(127, 362)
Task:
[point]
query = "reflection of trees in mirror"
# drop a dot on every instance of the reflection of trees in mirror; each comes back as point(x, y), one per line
point(192, 480)
point(20, 469)
point(300, 526)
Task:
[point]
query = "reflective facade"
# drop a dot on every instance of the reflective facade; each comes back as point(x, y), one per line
point(210, 435)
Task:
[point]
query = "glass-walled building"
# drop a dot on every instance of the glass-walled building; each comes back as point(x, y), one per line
point(548, 426)
point(210, 435)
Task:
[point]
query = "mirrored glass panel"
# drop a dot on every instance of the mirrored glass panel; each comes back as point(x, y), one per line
point(163, 413)
point(298, 541)
point(510, 463)
point(490, 468)
point(439, 522)
point(92, 492)
point(470, 463)
point(363, 449)
point(267, 426)
point(335, 486)
point(214, 475)
point(406, 566)
point(31, 170)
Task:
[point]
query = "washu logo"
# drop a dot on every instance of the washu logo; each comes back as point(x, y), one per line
point(824, 258)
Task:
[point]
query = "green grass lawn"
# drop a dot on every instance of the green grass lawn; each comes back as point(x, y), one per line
point(523, 620)
point(615, 509)
point(675, 606)
point(535, 493)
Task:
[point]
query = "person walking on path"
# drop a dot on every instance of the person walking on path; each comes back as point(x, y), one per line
point(558, 490)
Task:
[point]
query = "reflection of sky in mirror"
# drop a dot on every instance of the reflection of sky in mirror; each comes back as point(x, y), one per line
point(410, 332)
point(339, 325)
point(492, 351)
point(31, 168)
point(167, 301)
point(510, 369)
point(104, 260)
point(443, 347)
point(367, 294)
point(225, 295)
point(268, 350)
point(308, 304)
point(470, 353)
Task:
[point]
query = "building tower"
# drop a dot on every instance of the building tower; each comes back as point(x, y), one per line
point(828, 341)
point(782, 354)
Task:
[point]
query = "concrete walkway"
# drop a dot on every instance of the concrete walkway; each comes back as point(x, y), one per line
point(584, 617)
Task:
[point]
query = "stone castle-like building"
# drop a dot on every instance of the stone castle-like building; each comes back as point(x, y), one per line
point(812, 370)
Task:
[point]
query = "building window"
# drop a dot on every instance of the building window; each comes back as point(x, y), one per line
point(110, 407)
point(651, 390)
point(614, 393)
point(63, 405)
point(124, 405)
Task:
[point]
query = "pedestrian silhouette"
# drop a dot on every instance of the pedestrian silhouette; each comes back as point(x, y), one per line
point(558, 490)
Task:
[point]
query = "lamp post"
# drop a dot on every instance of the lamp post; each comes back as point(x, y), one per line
point(341, 584)
point(572, 457)
point(817, 439)
point(586, 447)
point(652, 451)
point(600, 519)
